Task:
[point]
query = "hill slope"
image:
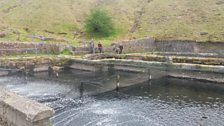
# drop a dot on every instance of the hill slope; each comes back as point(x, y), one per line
point(163, 19)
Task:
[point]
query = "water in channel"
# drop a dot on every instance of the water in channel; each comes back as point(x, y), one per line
point(82, 98)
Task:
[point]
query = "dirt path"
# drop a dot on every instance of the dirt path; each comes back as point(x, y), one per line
point(140, 12)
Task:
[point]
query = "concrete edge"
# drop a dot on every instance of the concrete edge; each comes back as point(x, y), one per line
point(152, 64)
point(201, 79)
point(29, 111)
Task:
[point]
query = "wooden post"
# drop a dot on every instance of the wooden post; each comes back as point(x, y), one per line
point(81, 88)
point(50, 71)
point(149, 78)
point(31, 70)
point(149, 75)
point(117, 82)
point(26, 75)
point(57, 74)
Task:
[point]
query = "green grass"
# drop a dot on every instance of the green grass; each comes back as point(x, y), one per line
point(162, 19)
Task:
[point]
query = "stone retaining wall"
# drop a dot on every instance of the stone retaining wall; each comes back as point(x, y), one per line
point(18, 63)
point(178, 46)
point(141, 45)
point(10, 48)
point(160, 58)
point(18, 111)
point(189, 46)
point(132, 46)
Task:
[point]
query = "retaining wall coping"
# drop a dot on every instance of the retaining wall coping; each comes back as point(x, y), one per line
point(153, 64)
point(33, 111)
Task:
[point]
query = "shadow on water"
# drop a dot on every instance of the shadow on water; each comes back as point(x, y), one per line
point(160, 102)
point(172, 90)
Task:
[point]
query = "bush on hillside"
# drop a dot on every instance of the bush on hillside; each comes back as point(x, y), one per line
point(66, 52)
point(99, 24)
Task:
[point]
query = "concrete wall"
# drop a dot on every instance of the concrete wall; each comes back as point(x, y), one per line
point(189, 46)
point(141, 45)
point(150, 65)
point(179, 46)
point(132, 46)
point(210, 73)
point(18, 111)
point(175, 46)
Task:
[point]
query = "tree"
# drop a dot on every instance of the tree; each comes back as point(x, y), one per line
point(99, 24)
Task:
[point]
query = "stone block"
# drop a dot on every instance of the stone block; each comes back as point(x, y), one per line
point(19, 111)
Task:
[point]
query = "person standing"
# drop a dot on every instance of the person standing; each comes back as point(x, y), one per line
point(100, 47)
point(92, 46)
point(117, 49)
point(121, 47)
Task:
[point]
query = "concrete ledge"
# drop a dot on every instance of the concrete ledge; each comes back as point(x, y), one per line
point(3, 73)
point(85, 67)
point(152, 65)
point(203, 79)
point(18, 111)
point(43, 68)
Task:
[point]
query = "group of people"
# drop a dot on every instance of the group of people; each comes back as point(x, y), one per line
point(118, 49)
point(93, 49)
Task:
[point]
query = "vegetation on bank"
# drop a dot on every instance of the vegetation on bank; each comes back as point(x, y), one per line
point(63, 21)
point(99, 24)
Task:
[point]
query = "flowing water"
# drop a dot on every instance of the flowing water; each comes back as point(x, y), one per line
point(160, 102)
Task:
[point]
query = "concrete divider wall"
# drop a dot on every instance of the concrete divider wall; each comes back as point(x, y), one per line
point(18, 111)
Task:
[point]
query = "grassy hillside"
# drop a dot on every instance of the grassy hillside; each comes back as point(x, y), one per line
point(163, 19)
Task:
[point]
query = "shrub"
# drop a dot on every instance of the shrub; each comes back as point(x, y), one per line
point(99, 24)
point(66, 52)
